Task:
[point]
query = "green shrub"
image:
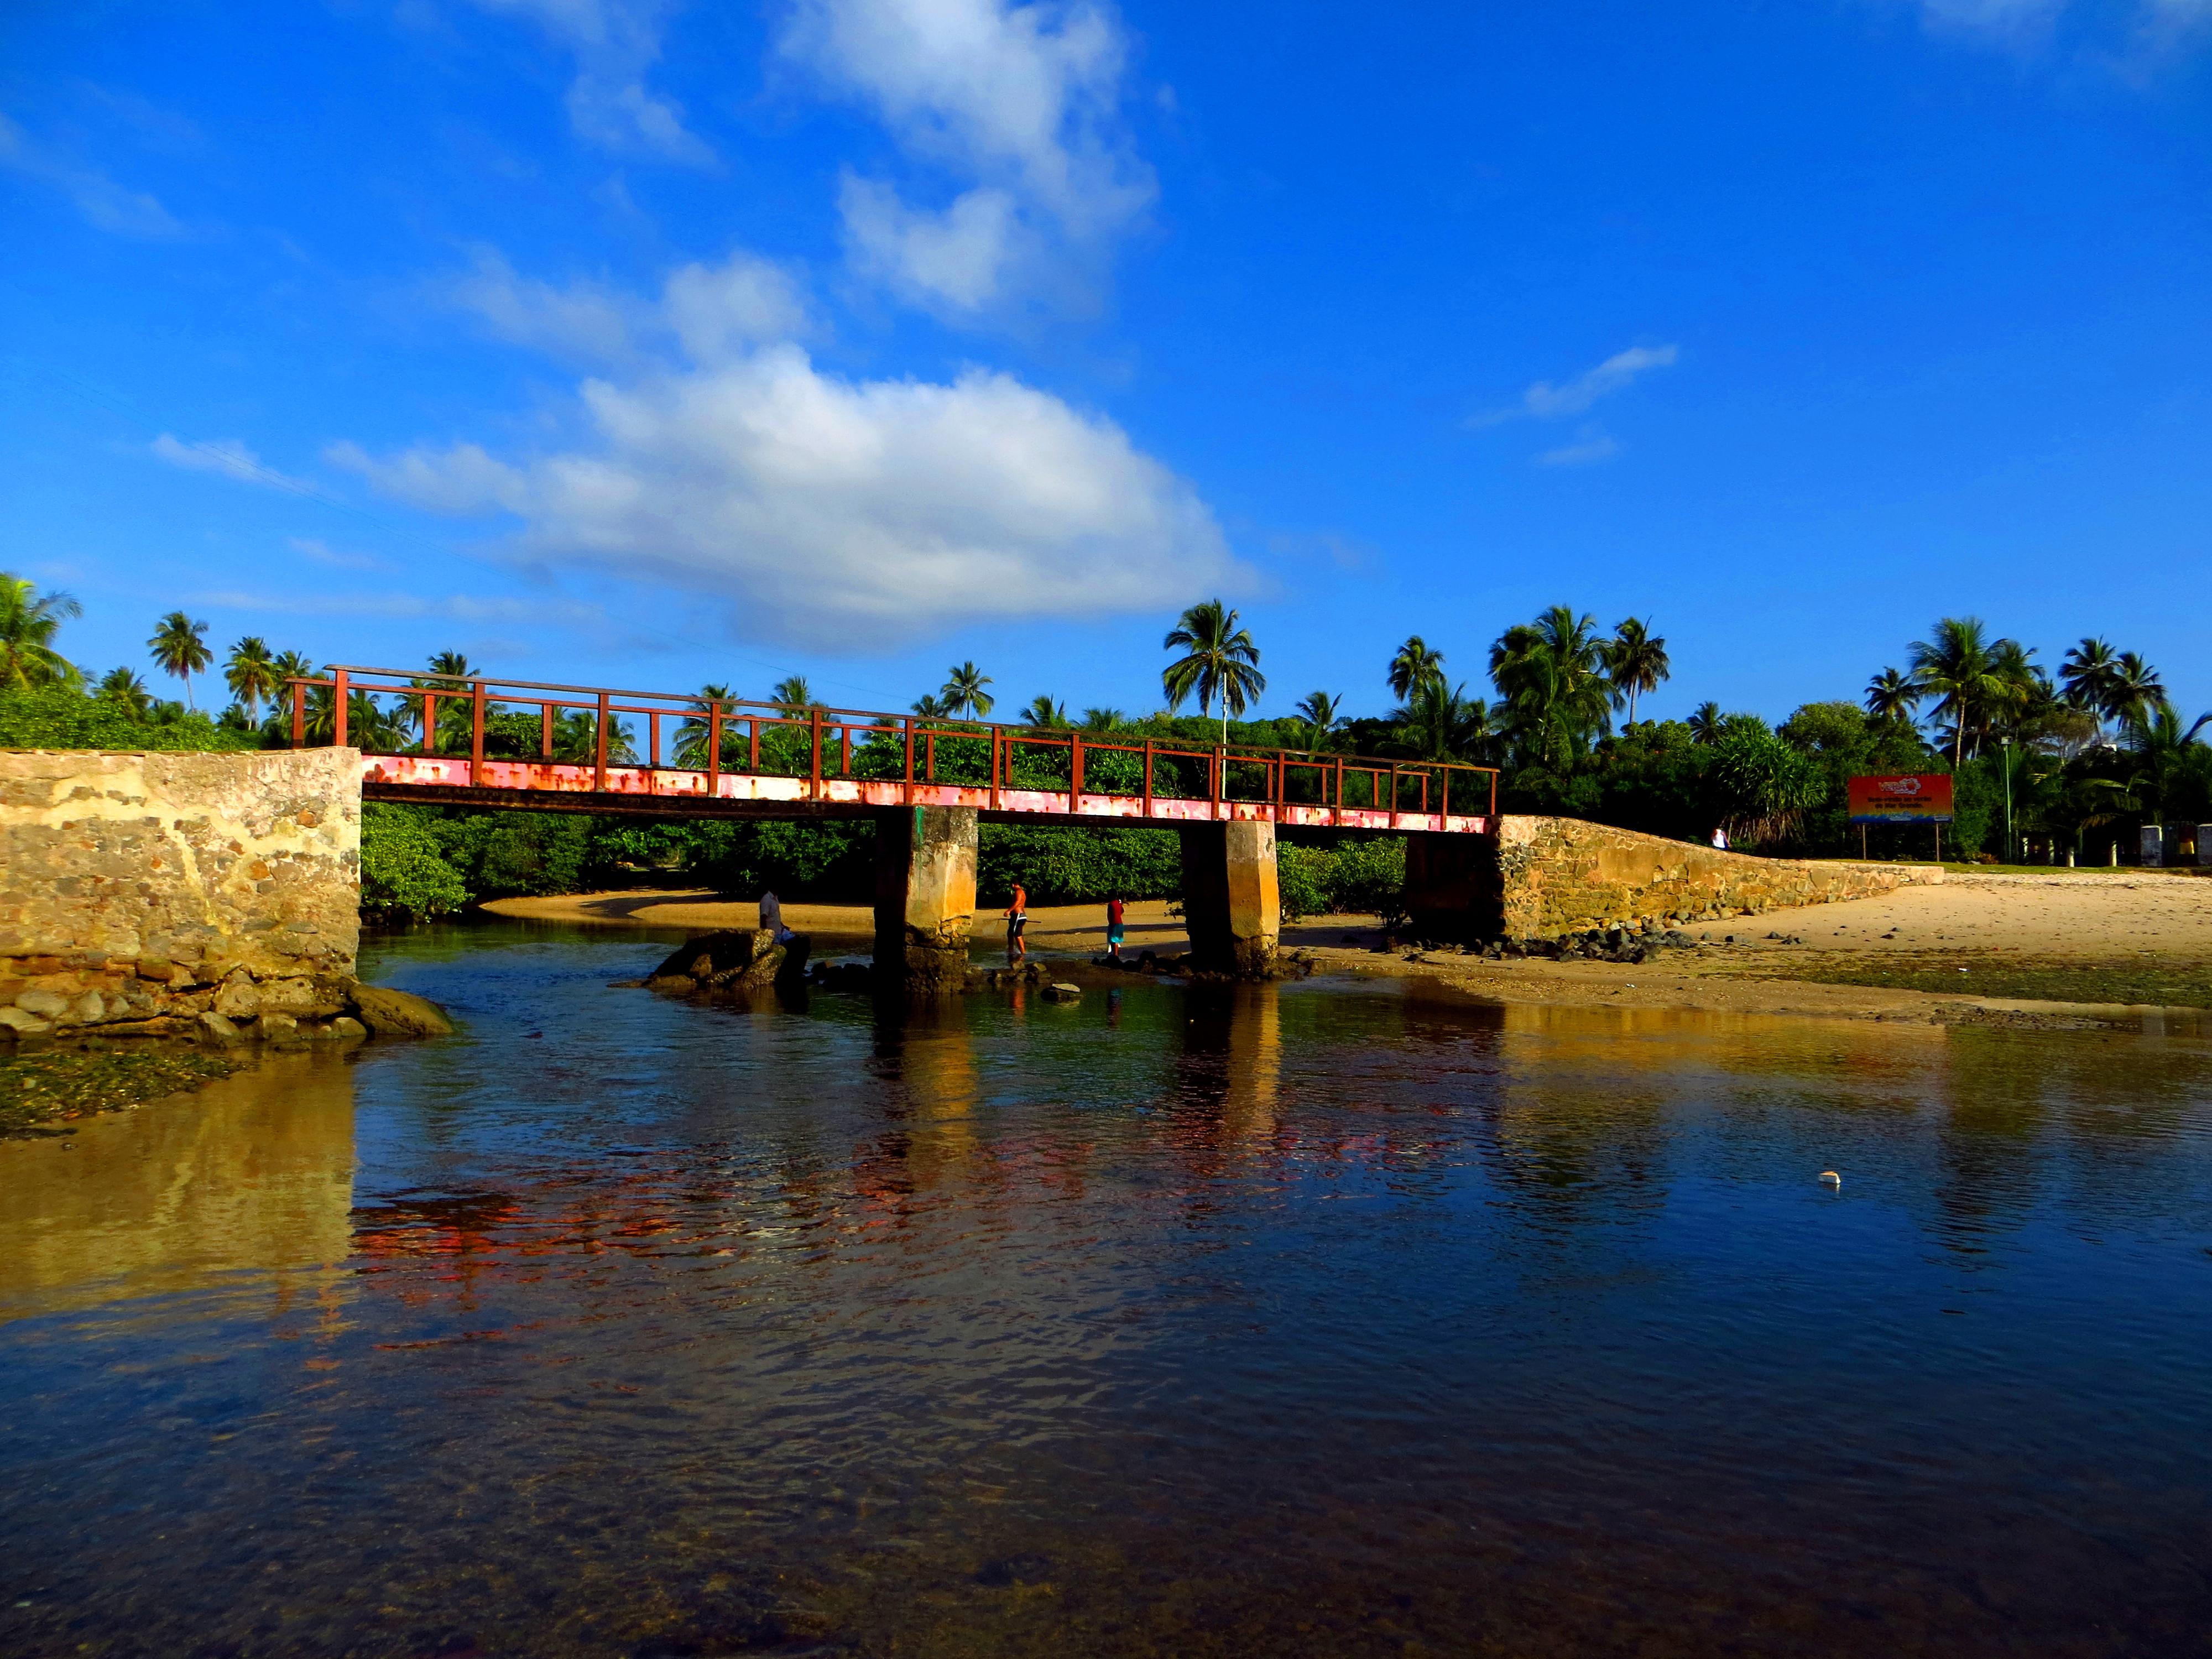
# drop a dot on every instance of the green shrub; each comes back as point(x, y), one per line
point(1355, 877)
point(62, 717)
point(404, 876)
point(1078, 866)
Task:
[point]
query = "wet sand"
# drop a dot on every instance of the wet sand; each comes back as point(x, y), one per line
point(2085, 917)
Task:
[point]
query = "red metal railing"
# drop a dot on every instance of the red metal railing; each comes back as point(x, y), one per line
point(483, 733)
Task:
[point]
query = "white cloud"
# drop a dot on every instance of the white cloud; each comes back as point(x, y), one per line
point(105, 204)
point(716, 310)
point(2010, 19)
point(1021, 103)
point(581, 321)
point(229, 458)
point(322, 552)
point(1591, 445)
point(843, 513)
point(710, 310)
point(1545, 402)
point(615, 43)
point(459, 607)
point(961, 258)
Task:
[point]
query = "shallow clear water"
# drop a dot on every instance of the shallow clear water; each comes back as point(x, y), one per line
point(1319, 1319)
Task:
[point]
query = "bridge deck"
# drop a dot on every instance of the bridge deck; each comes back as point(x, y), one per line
point(741, 759)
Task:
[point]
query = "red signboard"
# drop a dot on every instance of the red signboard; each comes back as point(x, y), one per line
point(1912, 798)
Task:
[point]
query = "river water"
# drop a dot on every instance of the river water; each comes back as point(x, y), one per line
point(1321, 1319)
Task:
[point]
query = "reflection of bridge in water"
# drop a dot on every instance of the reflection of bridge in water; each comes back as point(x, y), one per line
point(482, 743)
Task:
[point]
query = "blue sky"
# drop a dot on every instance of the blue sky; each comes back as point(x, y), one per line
point(645, 344)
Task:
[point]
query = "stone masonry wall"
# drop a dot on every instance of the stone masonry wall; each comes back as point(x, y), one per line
point(1562, 875)
point(139, 891)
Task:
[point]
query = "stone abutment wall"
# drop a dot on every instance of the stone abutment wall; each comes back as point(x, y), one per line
point(1561, 875)
point(140, 891)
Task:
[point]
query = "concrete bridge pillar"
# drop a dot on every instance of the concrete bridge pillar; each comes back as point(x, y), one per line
point(1230, 900)
point(1455, 889)
point(925, 896)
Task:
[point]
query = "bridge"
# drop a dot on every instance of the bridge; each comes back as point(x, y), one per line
point(486, 742)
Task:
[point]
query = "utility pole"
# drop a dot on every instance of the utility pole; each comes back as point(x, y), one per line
point(2006, 757)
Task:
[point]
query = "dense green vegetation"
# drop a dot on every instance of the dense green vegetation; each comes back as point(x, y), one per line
point(2082, 756)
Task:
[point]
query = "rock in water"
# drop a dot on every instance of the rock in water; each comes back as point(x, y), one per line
point(750, 956)
point(399, 1013)
point(1061, 991)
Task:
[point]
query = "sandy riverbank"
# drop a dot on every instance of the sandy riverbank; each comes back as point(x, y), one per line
point(2056, 949)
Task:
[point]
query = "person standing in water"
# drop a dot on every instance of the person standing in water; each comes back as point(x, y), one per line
point(1115, 913)
point(1018, 917)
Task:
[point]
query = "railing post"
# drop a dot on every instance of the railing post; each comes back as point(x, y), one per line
point(814, 725)
point(1337, 820)
point(1075, 774)
point(753, 761)
point(1493, 800)
point(298, 714)
point(845, 749)
point(994, 769)
point(429, 724)
point(600, 748)
point(476, 736)
point(1148, 777)
point(1443, 807)
point(908, 795)
point(1221, 769)
point(651, 751)
point(545, 728)
point(1394, 795)
point(713, 746)
point(932, 753)
point(339, 688)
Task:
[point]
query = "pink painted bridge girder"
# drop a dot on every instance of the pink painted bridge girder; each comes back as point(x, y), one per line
point(393, 774)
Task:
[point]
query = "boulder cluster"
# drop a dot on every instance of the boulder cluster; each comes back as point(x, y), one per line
point(64, 999)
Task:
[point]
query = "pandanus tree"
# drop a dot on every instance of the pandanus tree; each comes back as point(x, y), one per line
point(964, 695)
point(1635, 662)
point(179, 648)
point(250, 673)
point(1219, 660)
point(27, 626)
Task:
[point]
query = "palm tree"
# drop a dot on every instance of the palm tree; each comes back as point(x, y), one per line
point(28, 627)
point(1442, 722)
point(1635, 662)
point(179, 648)
point(2137, 692)
point(1707, 723)
point(1414, 666)
point(1218, 657)
point(2158, 751)
point(1891, 695)
point(250, 673)
point(963, 693)
point(1957, 667)
point(1551, 673)
point(452, 666)
point(930, 706)
point(1045, 716)
point(120, 685)
point(1319, 712)
point(1103, 720)
point(694, 733)
point(2087, 674)
point(792, 694)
